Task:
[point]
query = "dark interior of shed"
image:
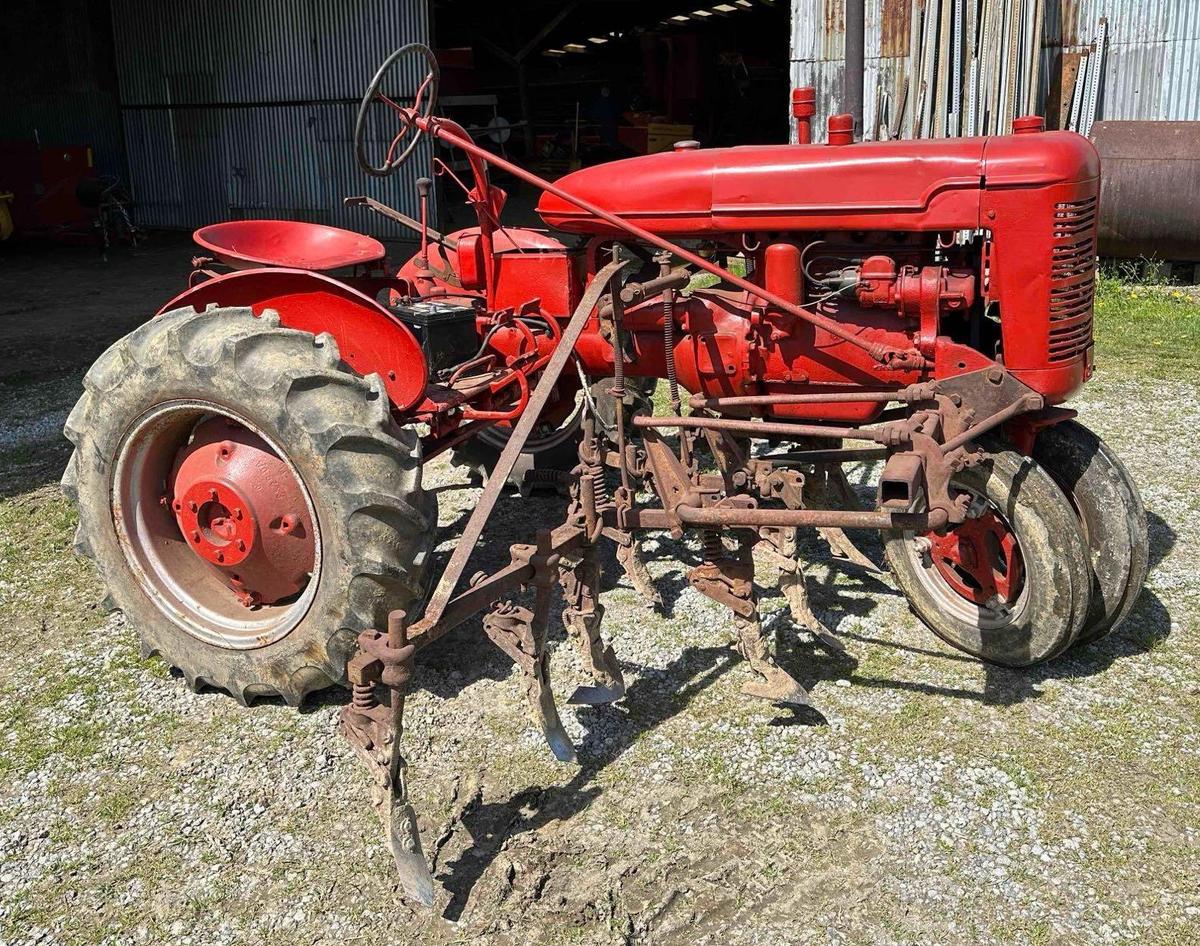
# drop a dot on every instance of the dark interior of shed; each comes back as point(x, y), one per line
point(583, 82)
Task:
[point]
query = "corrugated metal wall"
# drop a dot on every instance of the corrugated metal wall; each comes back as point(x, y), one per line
point(245, 108)
point(1151, 68)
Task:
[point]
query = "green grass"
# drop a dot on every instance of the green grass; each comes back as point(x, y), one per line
point(1147, 331)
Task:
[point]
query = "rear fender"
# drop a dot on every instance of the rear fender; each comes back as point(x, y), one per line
point(369, 337)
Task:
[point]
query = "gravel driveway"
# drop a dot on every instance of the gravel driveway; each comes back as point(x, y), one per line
point(932, 800)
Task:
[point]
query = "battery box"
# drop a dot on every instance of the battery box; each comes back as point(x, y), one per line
point(445, 330)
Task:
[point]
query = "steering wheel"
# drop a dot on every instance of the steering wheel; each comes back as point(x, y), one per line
point(423, 104)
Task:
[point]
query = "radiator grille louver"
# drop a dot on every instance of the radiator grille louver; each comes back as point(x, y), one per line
point(1072, 278)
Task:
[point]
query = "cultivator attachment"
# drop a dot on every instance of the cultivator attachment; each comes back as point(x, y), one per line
point(582, 616)
point(521, 634)
point(374, 731)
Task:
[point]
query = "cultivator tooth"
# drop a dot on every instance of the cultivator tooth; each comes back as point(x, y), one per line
point(374, 732)
point(582, 618)
point(794, 586)
point(630, 558)
point(729, 581)
point(843, 548)
point(521, 634)
point(830, 488)
point(774, 683)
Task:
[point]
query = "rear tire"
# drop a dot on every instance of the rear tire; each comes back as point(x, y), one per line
point(1113, 518)
point(359, 472)
point(1049, 611)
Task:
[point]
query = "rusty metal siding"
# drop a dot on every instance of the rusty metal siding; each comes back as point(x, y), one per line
point(1151, 69)
point(246, 109)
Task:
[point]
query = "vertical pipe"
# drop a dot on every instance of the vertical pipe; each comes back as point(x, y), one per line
point(855, 66)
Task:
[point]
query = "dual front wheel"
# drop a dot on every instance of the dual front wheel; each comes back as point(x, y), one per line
point(1053, 552)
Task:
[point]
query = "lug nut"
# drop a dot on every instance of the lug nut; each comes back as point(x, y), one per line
point(287, 523)
point(196, 537)
point(192, 505)
point(241, 545)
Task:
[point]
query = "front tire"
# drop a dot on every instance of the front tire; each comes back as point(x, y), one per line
point(1011, 585)
point(189, 388)
point(1112, 515)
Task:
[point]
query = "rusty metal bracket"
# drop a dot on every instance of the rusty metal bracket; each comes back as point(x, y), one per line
point(374, 732)
point(428, 627)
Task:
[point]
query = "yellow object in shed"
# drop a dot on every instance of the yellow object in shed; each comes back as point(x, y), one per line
point(6, 224)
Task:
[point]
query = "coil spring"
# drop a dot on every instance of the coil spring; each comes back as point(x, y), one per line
point(599, 478)
point(362, 696)
point(714, 548)
point(669, 347)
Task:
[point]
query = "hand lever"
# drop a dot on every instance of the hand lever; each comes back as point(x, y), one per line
point(423, 186)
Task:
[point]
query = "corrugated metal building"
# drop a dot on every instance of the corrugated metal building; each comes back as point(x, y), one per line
point(246, 109)
point(1151, 66)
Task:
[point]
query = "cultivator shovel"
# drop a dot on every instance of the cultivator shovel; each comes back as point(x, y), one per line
point(374, 730)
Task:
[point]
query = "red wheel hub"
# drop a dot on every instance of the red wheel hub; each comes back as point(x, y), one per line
point(241, 509)
point(980, 559)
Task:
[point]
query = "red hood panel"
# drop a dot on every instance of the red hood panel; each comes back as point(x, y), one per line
point(913, 185)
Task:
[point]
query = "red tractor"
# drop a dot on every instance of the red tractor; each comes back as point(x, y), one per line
point(248, 462)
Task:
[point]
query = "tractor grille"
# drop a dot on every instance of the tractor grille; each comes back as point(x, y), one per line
point(1072, 278)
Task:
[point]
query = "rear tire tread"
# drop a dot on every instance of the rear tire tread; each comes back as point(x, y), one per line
point(347, 420)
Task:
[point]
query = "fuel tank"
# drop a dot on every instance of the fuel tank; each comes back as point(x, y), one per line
point(902, 185)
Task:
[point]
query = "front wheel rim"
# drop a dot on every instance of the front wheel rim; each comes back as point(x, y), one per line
point(975, 571)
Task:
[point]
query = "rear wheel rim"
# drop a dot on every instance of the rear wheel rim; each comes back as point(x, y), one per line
point(175, 522)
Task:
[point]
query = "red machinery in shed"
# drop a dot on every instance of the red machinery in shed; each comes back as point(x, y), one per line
point(248, 462)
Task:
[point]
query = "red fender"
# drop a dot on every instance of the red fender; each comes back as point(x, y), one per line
point(370, 338)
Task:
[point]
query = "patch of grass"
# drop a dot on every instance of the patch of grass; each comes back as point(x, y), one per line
point(1147, 331)
point(117, 804)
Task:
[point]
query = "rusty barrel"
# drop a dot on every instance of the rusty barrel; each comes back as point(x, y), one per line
point(1150, 189)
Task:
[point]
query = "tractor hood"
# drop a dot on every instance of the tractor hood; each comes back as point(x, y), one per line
point(909, 185)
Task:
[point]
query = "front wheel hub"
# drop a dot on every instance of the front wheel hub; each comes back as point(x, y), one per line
point(241, 509)
point(980, 559)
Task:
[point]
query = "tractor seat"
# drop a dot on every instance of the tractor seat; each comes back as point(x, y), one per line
point(248, 244)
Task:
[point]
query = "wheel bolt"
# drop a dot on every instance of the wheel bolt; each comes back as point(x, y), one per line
point(196, 537)
point(241, 545)
point(212, 494)
point(192, 505)
point(287, 523)
point(237, 513)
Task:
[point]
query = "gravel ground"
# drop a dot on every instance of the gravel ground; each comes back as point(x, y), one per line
point(932, 800)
